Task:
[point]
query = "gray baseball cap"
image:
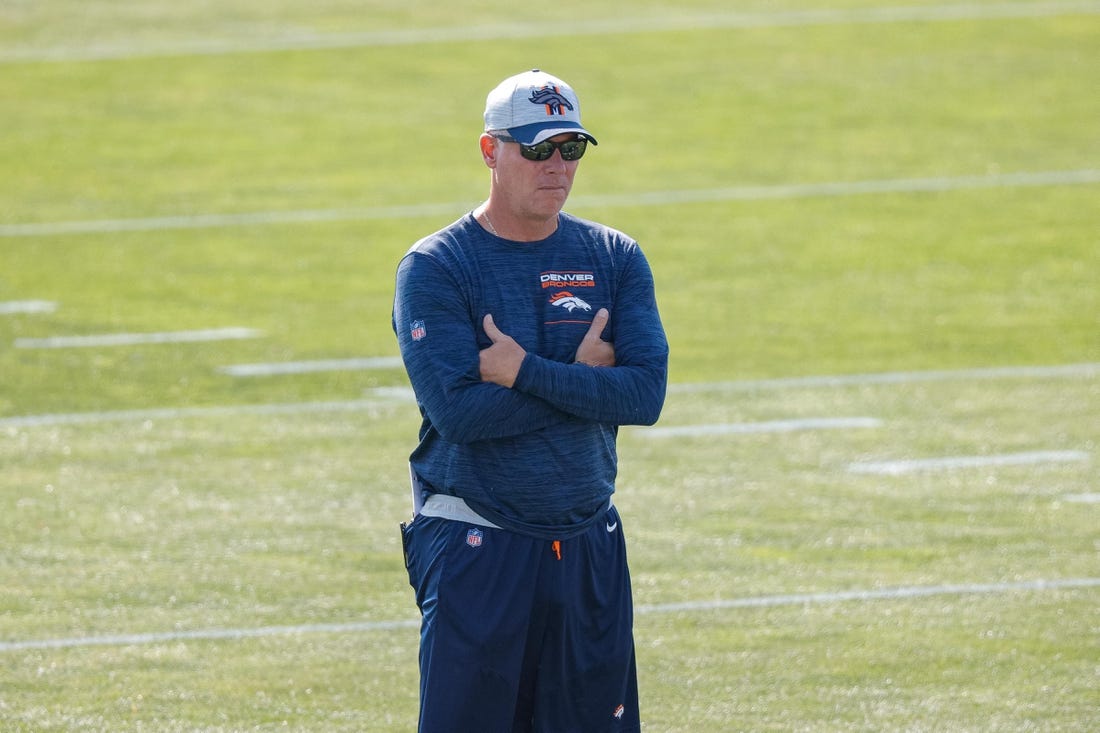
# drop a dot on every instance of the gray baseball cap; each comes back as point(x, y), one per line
point(534, 106)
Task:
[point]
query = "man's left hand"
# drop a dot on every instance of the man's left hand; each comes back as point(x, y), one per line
point(594, 351)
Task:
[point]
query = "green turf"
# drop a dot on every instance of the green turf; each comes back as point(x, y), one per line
point(150, 522)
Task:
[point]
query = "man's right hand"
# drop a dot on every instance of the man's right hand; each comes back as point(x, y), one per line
point(500, 363)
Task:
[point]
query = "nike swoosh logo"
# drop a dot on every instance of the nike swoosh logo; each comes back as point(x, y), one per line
point(612, 527)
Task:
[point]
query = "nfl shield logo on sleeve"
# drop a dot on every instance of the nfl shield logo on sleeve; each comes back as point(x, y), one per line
point(474, 537)
point(418, 330)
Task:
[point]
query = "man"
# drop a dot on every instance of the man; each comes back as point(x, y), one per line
point(529, 336)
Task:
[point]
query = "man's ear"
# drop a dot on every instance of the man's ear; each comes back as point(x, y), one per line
point(489, 150)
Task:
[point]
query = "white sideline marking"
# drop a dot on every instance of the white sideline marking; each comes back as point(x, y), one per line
point(881, 594)
point(389, 394)
point(205, 635)
point(404, 394)
point(651, 198)
point(513, 31)
point(208, 221)
point(304, 367)
point(134, 339)
point(176, 413)
point(1082, 498)
point(844, 188)
point(797, 599)
point(897, 468)
point(1088, 369)
point(9, 307)
point(768, 426)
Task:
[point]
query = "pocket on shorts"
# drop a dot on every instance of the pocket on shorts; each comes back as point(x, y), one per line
point(406, 540)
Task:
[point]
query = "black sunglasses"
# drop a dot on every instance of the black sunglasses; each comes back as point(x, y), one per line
point(570, 149)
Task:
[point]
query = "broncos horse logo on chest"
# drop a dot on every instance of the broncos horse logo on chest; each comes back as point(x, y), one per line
point(565, 299)
point(555, 101)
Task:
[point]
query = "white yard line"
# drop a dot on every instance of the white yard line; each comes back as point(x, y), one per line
point(796, 599)
point(1062, 371)
point(124, 49)
point(165, 637)
point(306, 367)
point(208, 221)
point(1082, 498)
point(179, 413)
point(12, 307)
point(878, 594)
point(136, 339)
point(767, 426)
point(938, 184)
point(1027, 458)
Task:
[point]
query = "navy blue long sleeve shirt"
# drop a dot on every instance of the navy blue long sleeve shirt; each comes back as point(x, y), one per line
point(539, 457)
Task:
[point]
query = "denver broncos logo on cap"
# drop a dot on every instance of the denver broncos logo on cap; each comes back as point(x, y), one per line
point(555, 101)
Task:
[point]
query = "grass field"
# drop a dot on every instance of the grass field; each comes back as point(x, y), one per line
point(871, 503)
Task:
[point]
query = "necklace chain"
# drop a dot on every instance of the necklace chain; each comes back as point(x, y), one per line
point(489, 223)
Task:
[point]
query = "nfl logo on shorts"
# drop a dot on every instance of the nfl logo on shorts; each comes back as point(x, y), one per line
point(418, 330)
point(474, 537)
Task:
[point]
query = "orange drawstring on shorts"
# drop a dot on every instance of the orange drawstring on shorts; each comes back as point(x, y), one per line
point(556, 547)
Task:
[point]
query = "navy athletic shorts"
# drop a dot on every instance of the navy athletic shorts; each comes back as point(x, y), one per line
point(520, 633)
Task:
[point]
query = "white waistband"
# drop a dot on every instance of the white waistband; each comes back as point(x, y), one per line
point(453, 507)
point(445, 506)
